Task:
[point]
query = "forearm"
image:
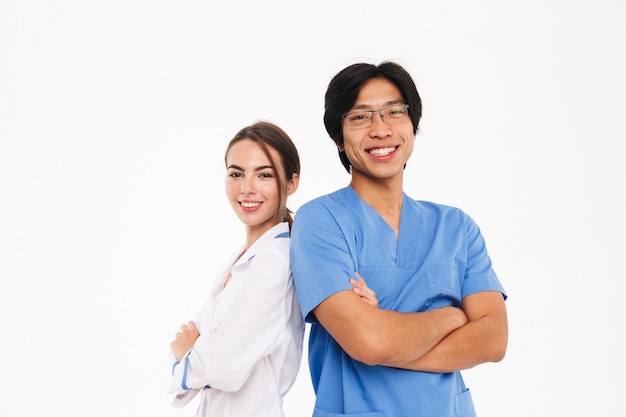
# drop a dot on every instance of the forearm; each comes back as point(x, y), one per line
point(475, 343)
point(410, 336)
point(384, 337)
point(483, 339)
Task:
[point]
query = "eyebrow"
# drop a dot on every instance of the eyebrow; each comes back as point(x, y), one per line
point(369, 106)
point(259, 168)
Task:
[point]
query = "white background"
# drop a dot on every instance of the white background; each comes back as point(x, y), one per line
point(114, 117)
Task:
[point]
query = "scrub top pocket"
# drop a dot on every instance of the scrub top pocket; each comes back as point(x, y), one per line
point(444, 286)
point(464, 406)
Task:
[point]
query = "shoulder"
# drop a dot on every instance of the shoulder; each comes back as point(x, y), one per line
point(441, 216)
point(330, 206)
point(338, 198)
point(277, 248)
point(424, 205)
point(432, 208)
point(274, 243)
point(271, 260)
point(325, 217)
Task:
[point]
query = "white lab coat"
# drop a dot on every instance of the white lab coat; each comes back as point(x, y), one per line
point(251, 335)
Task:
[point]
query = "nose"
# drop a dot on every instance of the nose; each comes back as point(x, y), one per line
point(247, 185)
point(379, 127)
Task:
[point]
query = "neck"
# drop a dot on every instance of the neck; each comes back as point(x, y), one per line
point(384, 194)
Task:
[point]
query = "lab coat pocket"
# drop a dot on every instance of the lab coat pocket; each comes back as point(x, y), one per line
point(464, 406)
point(321, 413)
point(444, 287)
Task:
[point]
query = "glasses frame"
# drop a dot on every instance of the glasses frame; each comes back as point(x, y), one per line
point(379, 111)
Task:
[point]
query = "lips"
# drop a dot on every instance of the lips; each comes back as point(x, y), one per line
point(382, 151)
point(249, 204)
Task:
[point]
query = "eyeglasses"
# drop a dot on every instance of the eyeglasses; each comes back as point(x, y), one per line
point(395, 113)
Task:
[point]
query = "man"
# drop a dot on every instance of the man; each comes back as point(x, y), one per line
point(441, 306)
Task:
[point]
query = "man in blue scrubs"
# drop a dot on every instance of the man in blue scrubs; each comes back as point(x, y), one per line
point(441, 306)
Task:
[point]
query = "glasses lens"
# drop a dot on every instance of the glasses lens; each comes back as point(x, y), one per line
point(359, 118)
point(398, 112)
point(391, 114)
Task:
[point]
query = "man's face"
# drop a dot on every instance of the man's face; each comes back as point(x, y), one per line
point(381, 149)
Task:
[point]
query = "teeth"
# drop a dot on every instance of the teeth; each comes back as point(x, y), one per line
point(382, 151)
point(250, 204)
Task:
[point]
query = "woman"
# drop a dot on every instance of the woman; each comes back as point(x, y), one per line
point(244, 351)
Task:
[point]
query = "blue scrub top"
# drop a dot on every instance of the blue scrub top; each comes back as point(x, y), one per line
point(438, 258)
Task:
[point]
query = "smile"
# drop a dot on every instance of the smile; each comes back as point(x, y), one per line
point(248, 204)
point(382, 151)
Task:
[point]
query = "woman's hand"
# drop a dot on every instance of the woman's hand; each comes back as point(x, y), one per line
point(367, 294)
point(184, 340)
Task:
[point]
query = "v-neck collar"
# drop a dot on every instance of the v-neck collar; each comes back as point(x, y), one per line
point(402, 248)
point(377, 215)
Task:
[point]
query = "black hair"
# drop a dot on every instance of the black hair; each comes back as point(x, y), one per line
point(345, 86)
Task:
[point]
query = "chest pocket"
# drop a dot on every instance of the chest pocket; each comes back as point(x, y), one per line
point(396, 289)
point(436, 284)
point(443, 284)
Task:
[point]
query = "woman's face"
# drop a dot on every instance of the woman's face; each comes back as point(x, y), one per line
point(252, 186)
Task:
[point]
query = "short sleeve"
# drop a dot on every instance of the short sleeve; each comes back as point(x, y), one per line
point(321, 258)
point(479, 274)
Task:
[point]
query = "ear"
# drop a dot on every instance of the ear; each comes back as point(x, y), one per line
point(292, 184)
point(340, 147)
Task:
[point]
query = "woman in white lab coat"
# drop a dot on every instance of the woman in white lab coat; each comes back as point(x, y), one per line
point(243, 352)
